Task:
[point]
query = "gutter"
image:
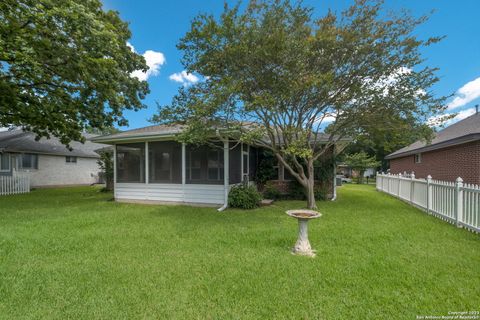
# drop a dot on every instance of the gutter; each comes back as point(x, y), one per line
point(334, 177)
point(226, 170)
point(142, 137)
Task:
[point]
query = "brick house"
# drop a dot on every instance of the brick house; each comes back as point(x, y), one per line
point(453, 152)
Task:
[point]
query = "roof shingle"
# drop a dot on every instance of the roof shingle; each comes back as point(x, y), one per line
point(20, 141)
point(463, 131)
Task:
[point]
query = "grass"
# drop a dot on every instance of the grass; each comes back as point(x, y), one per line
point(74, 253)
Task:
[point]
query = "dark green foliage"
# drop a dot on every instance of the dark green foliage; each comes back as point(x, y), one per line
point(244, 197)
point(296, 191)
point(321, 192)
point(270, 191)
point(360, 162)
point(65, 66)
point(266, 170)
point(106, 165)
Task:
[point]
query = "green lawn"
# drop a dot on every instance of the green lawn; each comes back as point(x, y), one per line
point(74, 253)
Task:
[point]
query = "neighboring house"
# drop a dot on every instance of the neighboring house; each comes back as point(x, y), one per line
point(47, 161)
point(345, 170)
point(454, 152)
point(151, 166)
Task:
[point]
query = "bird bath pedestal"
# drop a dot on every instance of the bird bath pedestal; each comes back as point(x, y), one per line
point(302, 247)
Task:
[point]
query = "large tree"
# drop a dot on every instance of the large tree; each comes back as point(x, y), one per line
point(360, 162)
point(64, 66)
point(275, 76)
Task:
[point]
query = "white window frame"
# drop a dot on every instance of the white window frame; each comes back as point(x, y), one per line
point(9, 161)
point(71, 162)
point(417, 158)
point(20, 161)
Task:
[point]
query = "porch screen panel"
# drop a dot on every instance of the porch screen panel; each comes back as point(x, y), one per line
point(131, 162)
point(204, 165)
point(235, 163)
point(165, 162)
point(253, 163)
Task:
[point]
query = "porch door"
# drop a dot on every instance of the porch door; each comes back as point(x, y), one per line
point(245, 162)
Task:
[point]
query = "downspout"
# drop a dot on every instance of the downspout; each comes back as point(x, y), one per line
point(334, 176)
point(226, 170)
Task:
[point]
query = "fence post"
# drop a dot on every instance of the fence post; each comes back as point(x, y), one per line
point(412, 187)
point(459, 201)
point(399, 184)
point(429, 194)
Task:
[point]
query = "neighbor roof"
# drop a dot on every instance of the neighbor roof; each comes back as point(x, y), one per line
point(18, 140)
point(160, 130)
point(466, 130)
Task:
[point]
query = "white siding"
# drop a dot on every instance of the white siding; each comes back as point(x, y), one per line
point(189, 193)
point(55, 171)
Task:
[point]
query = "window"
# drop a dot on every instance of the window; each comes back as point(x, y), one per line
point(4, 162)
point(131, 162)
point(195, 165)
point(70, 159)
point(28, 161)
point(204, 165)
point(164, 162)
point(418, 158)
point(245, 163)
point(215, 165)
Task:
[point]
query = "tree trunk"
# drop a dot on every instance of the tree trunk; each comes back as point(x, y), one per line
point(360, 177)
point(109, 183)
point(310, 187)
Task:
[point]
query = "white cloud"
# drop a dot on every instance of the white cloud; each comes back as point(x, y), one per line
point(130, 46)
point(184, 78)
point(469, 92)
point(154, 61)
point(439, 120)
point(464, 114)
point(387, 82)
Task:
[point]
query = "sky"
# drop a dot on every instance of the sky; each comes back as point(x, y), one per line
point(157, 26)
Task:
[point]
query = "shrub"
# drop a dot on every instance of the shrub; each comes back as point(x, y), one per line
point(244, 197)
point(270, 191)
point(321, 192)
point(296, 191)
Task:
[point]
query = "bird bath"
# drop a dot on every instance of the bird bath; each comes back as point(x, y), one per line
point(302, 247)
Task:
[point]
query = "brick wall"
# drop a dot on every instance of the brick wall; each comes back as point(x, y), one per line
point(444, 164)
point(284, 186)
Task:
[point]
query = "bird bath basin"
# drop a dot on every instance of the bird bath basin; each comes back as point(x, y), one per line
point(302, 246)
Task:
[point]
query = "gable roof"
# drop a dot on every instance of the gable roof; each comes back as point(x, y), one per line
point(166, 131)
point(466, 130)
point(18, 140)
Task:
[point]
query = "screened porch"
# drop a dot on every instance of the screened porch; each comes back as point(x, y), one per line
point(174, 172)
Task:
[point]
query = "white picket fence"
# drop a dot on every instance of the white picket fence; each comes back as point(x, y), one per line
point(455, 202)
point(17, 183)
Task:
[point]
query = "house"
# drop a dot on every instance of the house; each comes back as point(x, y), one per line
point(347, 171)
point(48, 162)
point(454, 152)
point(151, 166)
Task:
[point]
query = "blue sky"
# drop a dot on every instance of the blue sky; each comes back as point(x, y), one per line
point(158, 25)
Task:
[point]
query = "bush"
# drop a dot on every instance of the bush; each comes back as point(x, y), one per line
point(296, 191)
point(244, 197)
point(321, 192)
point(270, 191)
